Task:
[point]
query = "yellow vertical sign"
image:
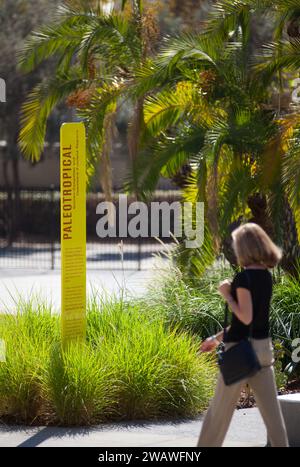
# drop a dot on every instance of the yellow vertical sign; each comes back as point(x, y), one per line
point(73, 231)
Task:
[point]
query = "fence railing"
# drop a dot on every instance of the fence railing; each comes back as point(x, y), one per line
point(30, 233)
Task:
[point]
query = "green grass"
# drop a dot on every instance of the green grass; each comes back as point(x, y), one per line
point(285, 320)
point(197, 309)
point(285, 312)
point(132, 366)
point(28, 336)
point(158, 370)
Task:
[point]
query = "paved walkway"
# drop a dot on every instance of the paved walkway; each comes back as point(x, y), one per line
point(26, 283)
point(246, 430)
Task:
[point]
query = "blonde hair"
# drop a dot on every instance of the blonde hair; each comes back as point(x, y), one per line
point(252, 245)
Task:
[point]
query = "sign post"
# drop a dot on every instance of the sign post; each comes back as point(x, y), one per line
point(73, 231)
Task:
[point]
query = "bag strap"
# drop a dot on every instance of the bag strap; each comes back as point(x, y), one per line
point(226, 312)
point(225, 321)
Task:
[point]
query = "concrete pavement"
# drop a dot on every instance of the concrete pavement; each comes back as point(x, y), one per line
point(46, 284)
point(246, 430)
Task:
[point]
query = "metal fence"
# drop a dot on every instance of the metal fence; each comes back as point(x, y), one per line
point(30, 233)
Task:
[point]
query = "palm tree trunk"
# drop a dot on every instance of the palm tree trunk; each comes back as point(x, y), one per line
point(105, 161)
point(291, 247)
point(134, 134)
point(7, 221)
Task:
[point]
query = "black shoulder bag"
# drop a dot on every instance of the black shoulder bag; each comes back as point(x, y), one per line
point(240, 360)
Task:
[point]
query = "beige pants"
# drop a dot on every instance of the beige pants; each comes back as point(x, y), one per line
point(220, 411)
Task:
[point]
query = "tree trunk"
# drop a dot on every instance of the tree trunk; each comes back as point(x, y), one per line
point(134, 134)
point(291, 249)
point(8, 208)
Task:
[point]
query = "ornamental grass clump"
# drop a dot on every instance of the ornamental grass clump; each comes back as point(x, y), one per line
point(196, 308)
point(131, 366)
point(28, 336)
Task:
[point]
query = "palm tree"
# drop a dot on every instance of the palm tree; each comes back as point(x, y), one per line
point(199, 103)
point(210, 108)
point(96, 54)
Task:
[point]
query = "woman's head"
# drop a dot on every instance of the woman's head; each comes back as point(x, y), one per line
point(252, 245)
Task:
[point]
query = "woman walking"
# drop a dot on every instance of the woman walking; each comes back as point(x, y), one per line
point(248, 297)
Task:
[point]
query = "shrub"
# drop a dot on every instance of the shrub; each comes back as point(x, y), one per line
point(199, 310)
point(280, 376)
point(130, 367)
point(27, 337)
point(157, 371)
point(77, 385)
point(285, 312)
point(285, 319)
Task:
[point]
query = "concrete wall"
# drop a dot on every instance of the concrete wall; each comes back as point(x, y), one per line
point(46, 172)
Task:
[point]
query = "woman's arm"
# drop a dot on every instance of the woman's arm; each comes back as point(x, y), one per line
point(242, 308)
point(212, 342)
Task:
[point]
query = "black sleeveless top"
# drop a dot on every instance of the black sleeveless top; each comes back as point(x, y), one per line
point(259, 282)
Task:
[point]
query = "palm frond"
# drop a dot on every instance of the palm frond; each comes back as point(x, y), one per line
point(226, 17)
point(185, 101)
point(275, 210)
point(271, 61)
point(163, 111)
point(183, 58)
point(185, 47)
point(238, 185)
point(193, 262)
point(165, 156)
point(102, 102)
point(114, 37)
point(36, 110)
point(62, 35)
point(148, 77)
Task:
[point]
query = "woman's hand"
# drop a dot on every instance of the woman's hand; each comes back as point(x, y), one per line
point(211, 343)
point(225, 288)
